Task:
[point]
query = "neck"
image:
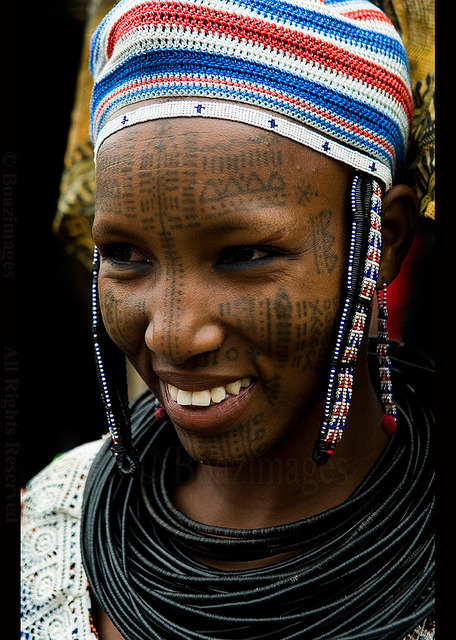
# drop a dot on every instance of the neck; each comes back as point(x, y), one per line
point(285, 485)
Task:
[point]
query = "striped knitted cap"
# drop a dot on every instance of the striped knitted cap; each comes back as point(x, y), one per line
point(337, 66)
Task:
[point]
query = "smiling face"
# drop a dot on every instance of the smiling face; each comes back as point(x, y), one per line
point(222, 261)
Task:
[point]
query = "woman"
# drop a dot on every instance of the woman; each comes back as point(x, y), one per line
point(248, 204)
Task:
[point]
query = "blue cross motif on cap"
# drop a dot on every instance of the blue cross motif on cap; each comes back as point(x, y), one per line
point(373, 167)
point(124, 119)
point(199, 108)
point(326, 146)
point(273, 124)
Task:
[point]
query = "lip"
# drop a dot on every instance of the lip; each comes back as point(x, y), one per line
point(211, 419)
point(196, 382)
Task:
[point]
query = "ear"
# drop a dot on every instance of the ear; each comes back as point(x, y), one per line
point(399, 215)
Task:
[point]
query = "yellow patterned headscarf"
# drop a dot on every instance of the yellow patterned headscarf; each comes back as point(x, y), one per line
point(414, 20)
point(75, 206)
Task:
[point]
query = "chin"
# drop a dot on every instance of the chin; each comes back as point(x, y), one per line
point(218, 452)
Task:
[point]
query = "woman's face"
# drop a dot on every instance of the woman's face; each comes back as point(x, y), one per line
point(222, 262)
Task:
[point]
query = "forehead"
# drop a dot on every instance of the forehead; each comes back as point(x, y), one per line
point(221, 142)
point(192, 167)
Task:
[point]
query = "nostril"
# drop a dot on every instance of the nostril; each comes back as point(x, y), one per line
point(149, 336)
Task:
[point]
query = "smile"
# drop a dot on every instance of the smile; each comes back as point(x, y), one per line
point(206, 397)
point(204, 411)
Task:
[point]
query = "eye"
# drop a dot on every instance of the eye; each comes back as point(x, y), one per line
point(239, 257)
point(123, 254)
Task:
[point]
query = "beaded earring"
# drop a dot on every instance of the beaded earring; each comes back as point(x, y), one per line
point(363, 266)
point(113, 388)
point(390, 416)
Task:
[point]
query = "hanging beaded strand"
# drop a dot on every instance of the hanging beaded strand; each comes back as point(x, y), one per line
point(389, 419)
point(365, 242)
point(98, 359)
point(114, 396)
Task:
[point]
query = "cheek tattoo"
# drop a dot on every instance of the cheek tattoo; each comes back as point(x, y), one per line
point(283, 316)
point(120, 313)
point(296, 333)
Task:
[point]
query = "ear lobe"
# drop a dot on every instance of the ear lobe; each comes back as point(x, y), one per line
point(399, 215)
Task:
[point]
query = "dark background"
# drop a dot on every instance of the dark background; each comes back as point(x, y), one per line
point(59, 404)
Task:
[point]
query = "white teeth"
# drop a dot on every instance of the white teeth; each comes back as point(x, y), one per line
point(204, 398)
point(234, 387)
point(201, 398)
point(218, 394)
point(173, 391)
point(184, 397)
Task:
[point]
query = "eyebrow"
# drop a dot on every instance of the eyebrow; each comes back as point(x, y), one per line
point(111, 229)
point(265, 229)
point(263, 234)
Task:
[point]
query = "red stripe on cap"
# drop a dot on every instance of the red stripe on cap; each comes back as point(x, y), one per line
point(366, 14)
point(285, 40)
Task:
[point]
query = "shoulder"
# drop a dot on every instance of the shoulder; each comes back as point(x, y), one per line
point(59, 486)
point(54, 596)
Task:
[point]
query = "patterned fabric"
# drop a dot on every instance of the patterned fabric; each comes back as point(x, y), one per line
point(415, 21)
point(55, 601)
point(338, 67)
point(75, 206)
point(425, 631)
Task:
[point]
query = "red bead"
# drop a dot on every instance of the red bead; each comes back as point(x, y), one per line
point(160, 413)
point(330, 452)
point(389, 425)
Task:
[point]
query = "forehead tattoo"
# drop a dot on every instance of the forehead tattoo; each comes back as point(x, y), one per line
point(163, 171)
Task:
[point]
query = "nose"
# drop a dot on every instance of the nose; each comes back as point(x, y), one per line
point(183, 326)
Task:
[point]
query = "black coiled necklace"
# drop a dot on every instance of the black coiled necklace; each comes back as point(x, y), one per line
point(366, 570)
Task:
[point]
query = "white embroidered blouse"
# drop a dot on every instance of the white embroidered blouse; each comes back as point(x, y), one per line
point(55, 601)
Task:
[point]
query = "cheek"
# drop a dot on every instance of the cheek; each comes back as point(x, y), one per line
point(303, 341)
point(293, 331)
point(310, 327)
point(287, 338)
point(124, 318)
